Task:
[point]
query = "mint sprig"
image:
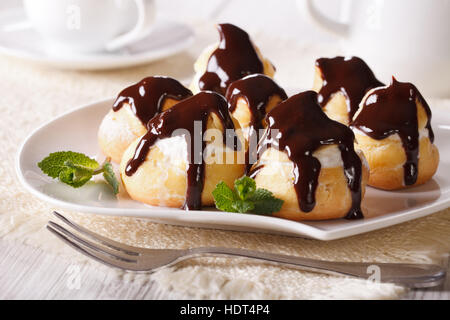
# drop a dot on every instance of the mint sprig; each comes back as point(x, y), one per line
point(110, 177)
point(75, 169)
point(245, 197)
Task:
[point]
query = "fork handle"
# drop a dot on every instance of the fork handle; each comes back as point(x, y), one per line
point(407, 274)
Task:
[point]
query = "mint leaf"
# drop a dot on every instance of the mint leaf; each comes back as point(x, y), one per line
point(245, 198)
point(265, 202)
point(242, 206)
point(72, 168)
point(244, 187)
point(75, 169)
point(224, 197)
point(75, 177)
point(110, 177)
point(55, 163)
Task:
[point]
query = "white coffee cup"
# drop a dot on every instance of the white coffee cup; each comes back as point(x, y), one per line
point(86, 26)
point(409, 39)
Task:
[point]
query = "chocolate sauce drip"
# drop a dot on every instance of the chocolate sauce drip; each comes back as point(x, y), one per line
point(234, 59)
point(147, 97)
point(177, 121)
point(349, 75)
point(390, 110)
point(300, 128)
point(254, 171)
point(256, 90)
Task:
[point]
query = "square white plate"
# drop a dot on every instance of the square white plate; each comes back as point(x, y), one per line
point(77, 131)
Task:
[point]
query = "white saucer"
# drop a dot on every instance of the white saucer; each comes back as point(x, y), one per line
point(77, 131)
point(167, 38)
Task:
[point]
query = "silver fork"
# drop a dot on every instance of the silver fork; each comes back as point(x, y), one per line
point(131, 258)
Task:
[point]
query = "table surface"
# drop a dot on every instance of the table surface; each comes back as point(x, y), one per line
point(46, 276)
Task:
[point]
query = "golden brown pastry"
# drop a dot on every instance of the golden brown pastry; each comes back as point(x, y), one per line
point(233, 58)
point(133, 108)
point(341, 83)
point(309, 161)
point(162, 169)
point(251, 98)
point(394, 131)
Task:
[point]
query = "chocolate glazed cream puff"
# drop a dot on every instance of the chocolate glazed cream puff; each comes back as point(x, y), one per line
point(133, 108)
point(309, 161)
point(233, 58)
point(250, 99)
point(341, 83)
point(177, 163)
point(393, 128)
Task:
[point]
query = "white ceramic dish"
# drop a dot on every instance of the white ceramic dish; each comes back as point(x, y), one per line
point(77, 131)
point(166, 39)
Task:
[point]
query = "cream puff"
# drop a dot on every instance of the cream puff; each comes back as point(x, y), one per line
point(186, 152)
point(133, 108)
point(250, 98)
point(233, 58)
point(309, 161)
point(393, 128)
point(341, 83)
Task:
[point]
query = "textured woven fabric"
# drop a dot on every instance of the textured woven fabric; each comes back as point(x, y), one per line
point(32, 94)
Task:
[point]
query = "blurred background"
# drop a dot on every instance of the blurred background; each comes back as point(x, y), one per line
point(277, 18)
point(275, 27)
point(404, 38)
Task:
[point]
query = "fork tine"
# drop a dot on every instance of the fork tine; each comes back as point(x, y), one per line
point(92, 245)
point(114, 254)
point(102, 259)
point(91, 250)
point(129, 250)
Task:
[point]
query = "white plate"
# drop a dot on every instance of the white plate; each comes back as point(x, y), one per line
point(77, 131)
point(167, 38)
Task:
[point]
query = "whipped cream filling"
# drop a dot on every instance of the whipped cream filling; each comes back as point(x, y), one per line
point(120, 125)
point(423, 133)
point(329, 157)
point(175, 150)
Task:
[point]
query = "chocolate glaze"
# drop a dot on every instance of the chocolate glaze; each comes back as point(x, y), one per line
point(349, 75)
point(234, 58)
point(390, 110)
point(300, 128)
point(147, 97)
point(257, 90)
point(182, 117)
